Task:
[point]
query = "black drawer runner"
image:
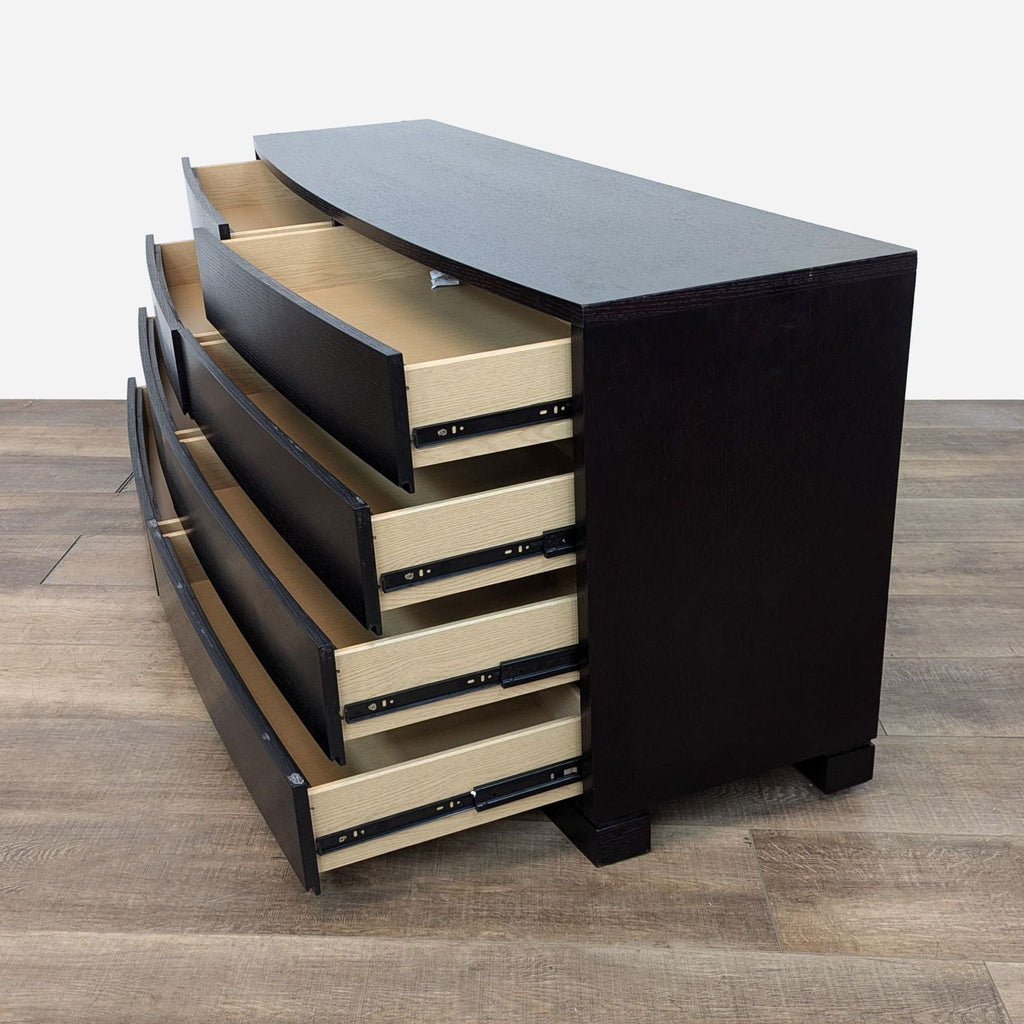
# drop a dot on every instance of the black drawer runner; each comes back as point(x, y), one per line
point(491, 423)
point(494, 794)
point(549, 544)
point(511, 673)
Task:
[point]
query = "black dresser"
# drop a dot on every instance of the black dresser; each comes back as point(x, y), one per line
point(479, 480)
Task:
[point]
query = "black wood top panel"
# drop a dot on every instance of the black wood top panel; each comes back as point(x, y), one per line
point(574, 239)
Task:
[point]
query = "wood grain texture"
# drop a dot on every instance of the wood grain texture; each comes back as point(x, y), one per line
point(952, 786)
point(112, 679)
point(250, 198)
point(961, 478)
point(967, 444)
point(965, 413)
point(220, 870)
point(954, 697)
point(486, 381)
point(107, 560)
point(190, 979)
point(956, 627)
point(406, 537)
point(56, 473)
point(297, 347)
point(105, 747)
point(103, 415)
point(81, 615)
point(327, 524)
point(73, 513)
point(778, 625)
point(453, 648)
point(554, 233)
point(967, 567)
point(295, 651)
point(927, 520)
point(31, 557)
point(1009, 981)
point(537, 730)
point(29, 439)
point(890, 894)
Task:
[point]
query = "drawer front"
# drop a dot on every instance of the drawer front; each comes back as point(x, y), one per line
point(325, 522)
point(270, 774)
point(404, 375)
point(349, 383)
point(299, 656)
point(399, 789)
point(168, 326)
point(469, 526)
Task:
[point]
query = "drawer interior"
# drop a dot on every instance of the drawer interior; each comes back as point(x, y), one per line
point(465, 352)
point(433, 483)
point(463, 630)
point(394, 772)
point(389, 296)
point(317, 600)
point(250, 198)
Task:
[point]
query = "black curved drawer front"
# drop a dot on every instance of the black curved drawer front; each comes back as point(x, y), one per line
point(202, 211)
point(295, 652)
point(323, 521)
point(298, 348)
point(270, 774)
point(168, 327)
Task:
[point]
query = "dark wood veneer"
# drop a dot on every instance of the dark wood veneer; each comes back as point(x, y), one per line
point(168, 327)
point(738, 382)
point(202, 211)
point(344, 380)
point(325, 522)
point(578, 241)
point(293, 649)
point(273, 779)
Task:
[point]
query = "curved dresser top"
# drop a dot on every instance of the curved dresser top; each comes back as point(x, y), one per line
point(572, 239)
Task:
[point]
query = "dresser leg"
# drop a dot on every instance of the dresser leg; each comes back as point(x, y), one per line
point(833, 772)
point(607, 842)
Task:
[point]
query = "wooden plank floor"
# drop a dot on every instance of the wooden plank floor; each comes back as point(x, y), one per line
point(138, 882)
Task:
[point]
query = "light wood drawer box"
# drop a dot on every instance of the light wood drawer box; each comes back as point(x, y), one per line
point(404, 375)
point(460, 651)
point(237, 199)
point(470, 524)
point(397, 788)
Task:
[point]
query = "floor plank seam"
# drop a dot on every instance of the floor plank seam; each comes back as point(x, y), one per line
point(61, 559)
point(516, 943)
point(764, 891)
point(996, 992)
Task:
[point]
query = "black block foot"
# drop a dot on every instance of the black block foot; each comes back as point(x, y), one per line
point(607, 842)
point(833, 772)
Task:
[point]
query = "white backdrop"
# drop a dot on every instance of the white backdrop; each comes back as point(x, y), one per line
point(896, 120)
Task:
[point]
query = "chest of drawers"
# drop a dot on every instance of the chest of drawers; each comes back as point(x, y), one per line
point(607, 522)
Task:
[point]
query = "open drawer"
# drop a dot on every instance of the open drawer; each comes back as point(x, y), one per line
point(404, 375)
point(397, 788)
point(461, 651)
point(470, 523)
point(241, 198)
